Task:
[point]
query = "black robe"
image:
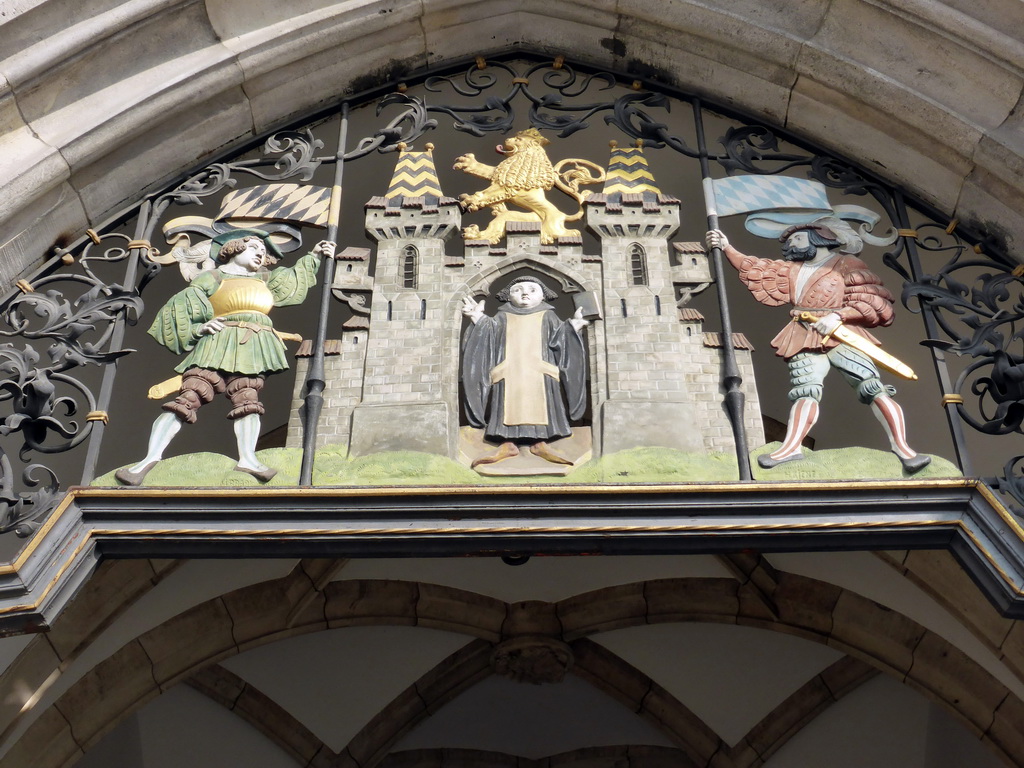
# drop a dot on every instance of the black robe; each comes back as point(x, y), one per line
point(484, 349)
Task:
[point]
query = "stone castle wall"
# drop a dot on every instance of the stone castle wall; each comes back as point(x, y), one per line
point(343, 376)
point(409, 386)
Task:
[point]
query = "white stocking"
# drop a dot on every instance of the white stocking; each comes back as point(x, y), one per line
point(890, 415)
point(247, 432)
point(166, 426)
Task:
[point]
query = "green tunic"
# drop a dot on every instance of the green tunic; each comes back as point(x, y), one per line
point(236, 349)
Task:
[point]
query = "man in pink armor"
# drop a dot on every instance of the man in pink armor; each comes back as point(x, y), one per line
point(819, 273)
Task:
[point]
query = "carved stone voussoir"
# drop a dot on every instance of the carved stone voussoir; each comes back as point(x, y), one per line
point(532, 659)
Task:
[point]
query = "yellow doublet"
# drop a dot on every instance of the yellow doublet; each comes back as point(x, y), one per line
point(523, 371)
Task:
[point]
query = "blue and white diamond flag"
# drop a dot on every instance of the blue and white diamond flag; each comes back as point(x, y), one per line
point(774, 203)
point(746, 194)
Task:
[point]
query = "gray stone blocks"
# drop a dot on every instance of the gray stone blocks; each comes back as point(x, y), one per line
point(400, 427)
point(343, 376)
point(634, 424)
point(664, 382)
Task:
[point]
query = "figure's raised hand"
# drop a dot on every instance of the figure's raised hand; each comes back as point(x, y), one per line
point(474, 310)
point(577, 321)
point(716, 239)
point(211, 327)
point(325, 248)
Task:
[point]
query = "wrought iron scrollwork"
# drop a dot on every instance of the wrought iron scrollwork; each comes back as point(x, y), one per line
point(558, 109)
point(287, 155)
point(977, 302)
point(407, 126)
point(747, 147)
point(1012, 481)
point(24, 512)
point(978, 305)
point(635, 122)
point(42, 397)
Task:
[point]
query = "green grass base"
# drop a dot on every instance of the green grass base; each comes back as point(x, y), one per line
point(637, 465)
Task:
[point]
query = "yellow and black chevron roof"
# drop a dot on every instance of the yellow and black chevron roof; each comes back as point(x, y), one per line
point(415, 175)
point(628, 172)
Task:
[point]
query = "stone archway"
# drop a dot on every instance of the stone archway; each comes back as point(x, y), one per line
point(697, 744)
point(82, 141)
point(204, 635)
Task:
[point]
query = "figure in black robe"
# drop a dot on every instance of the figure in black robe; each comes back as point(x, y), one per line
point(515, 367)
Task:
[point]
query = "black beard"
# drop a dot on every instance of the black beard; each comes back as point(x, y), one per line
point(794, 253)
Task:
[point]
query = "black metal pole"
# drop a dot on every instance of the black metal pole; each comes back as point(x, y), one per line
point(931, 328)
point(731, 379)
point(315, 383)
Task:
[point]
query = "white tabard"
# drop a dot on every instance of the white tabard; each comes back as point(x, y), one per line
point(523, 371)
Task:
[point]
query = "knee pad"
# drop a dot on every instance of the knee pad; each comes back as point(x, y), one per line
point(807, 376)
point(812, 391)
point(198, 387)
point(244, 393)
point(869, 389)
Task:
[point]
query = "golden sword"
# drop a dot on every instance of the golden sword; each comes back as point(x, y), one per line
point(862, 345)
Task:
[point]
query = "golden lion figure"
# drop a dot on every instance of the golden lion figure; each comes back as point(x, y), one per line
point(521, 179)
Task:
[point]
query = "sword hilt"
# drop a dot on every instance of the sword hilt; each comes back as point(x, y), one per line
point(810, 318)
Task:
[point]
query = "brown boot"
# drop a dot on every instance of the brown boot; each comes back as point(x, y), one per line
point(505, 451)
point(543, 451)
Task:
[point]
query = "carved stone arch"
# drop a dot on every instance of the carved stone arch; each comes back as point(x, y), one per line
point(590, 757)
point(952, 141)
point(245, 618)
point(696, 742)
point(569, 279)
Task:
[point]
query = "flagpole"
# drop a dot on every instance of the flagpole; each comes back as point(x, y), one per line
point(731, 378)
point(315, 381)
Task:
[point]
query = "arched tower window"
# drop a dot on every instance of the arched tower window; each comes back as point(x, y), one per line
point(410, 267)
point(638, 264)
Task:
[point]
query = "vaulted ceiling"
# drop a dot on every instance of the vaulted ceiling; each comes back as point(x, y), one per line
point(699, 660)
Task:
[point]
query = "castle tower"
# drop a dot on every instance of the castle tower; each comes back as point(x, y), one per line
point(662, 369)
point(404, 404)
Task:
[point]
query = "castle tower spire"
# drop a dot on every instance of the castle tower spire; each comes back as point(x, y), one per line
point(628, 172)
point(663, 370)
point(415, 176)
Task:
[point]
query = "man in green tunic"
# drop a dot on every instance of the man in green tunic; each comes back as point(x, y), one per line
point(221, 320)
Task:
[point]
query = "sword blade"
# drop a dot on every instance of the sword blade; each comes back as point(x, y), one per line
point(877, 354)
point(865, 347)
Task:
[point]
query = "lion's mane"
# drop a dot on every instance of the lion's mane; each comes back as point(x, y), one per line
point(528, 168)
